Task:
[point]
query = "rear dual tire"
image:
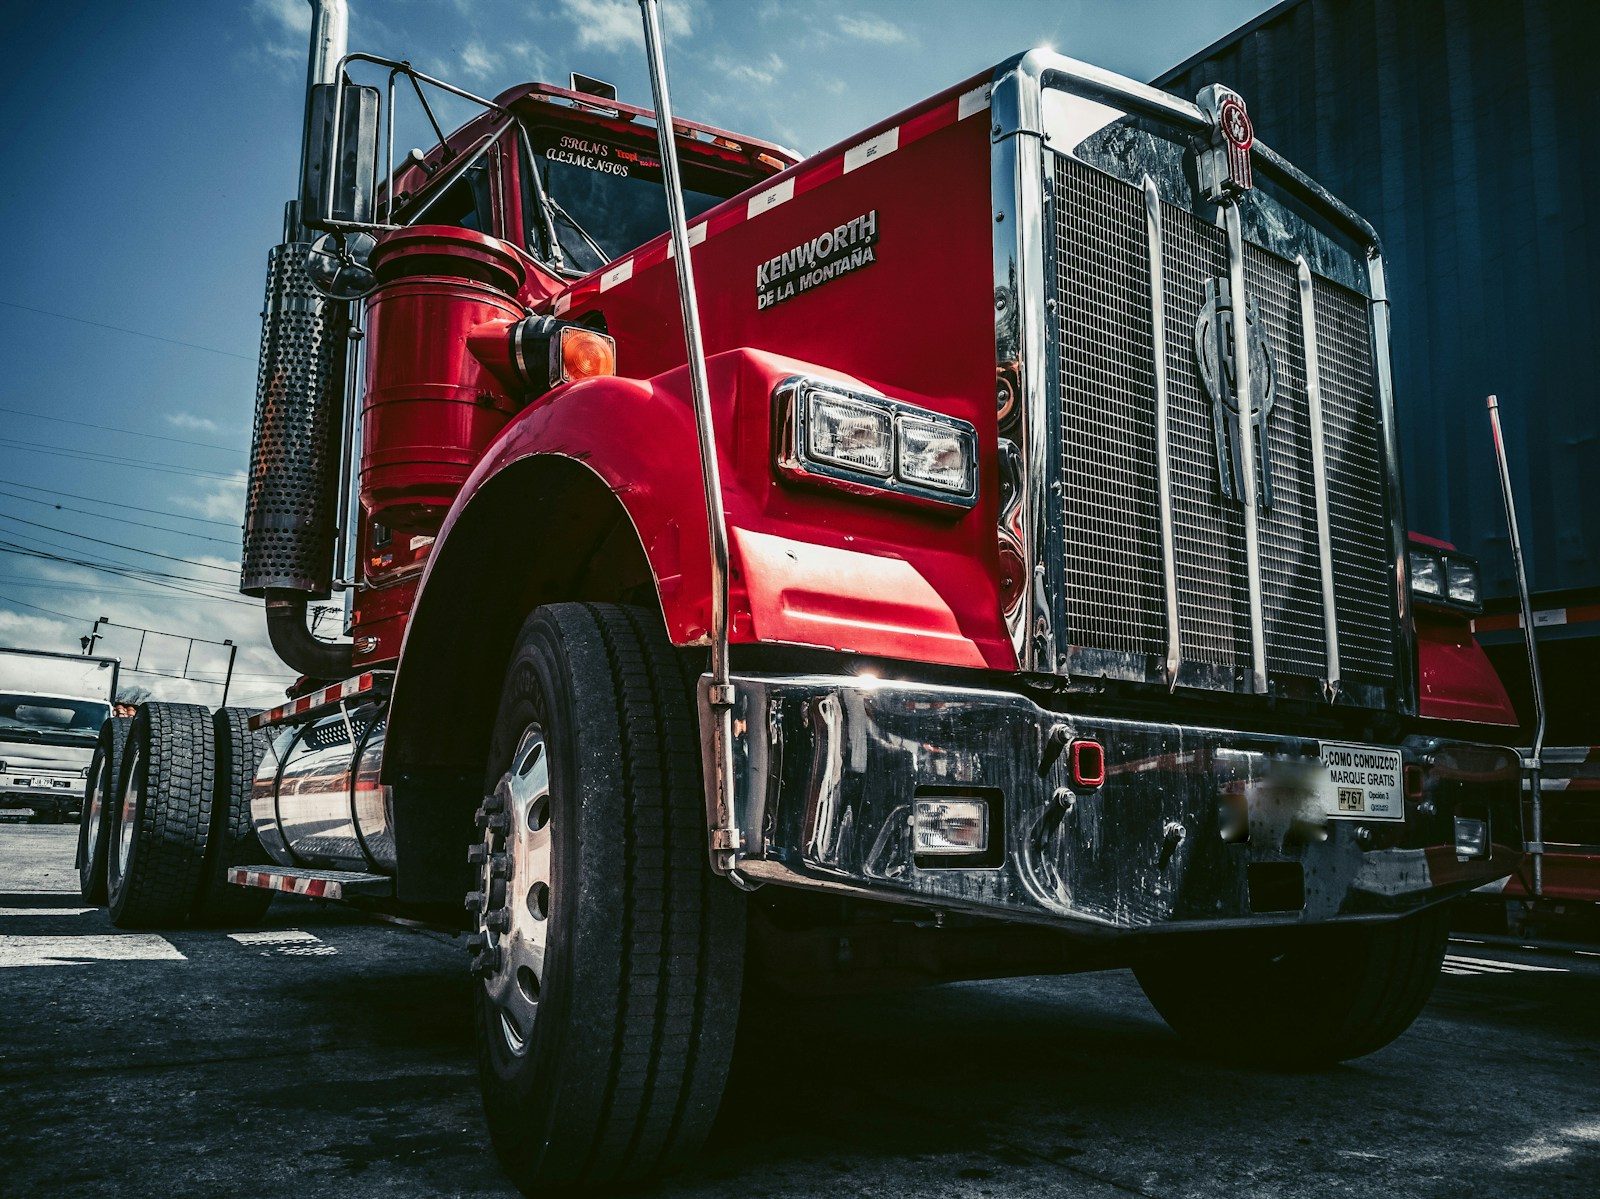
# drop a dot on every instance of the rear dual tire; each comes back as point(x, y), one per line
point(182, 818)
point(99, 796)
point(611, 956)
point(163, 822)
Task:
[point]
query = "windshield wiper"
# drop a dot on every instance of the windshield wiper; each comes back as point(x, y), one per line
point(577, 228)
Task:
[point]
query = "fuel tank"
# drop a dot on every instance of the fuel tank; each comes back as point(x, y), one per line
point(317, 801)
point(429, 406)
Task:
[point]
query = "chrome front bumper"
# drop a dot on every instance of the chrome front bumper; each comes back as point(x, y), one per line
point(1193, 827)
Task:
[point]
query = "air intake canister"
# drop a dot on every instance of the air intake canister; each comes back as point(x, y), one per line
point(430, 407)
point(290, 503)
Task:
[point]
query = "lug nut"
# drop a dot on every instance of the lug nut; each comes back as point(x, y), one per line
point(486, 963)
point(493, 803)
point(474, 901)
point(476, 942)
point(497, 921)
point(499, 865)
point(476, 854)
point(497, 823)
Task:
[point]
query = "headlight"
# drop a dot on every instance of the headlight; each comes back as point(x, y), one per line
point(845, 433)
point(1461, 581)
point(872, 445)
point(935, 455)
point(1444, 578)
point(1427, 573)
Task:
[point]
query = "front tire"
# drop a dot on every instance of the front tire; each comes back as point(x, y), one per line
point(1336, 993)
point(611, 956)
point(157, 845)
point(100, 795)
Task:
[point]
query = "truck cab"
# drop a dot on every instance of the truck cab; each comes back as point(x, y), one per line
point(974, 549)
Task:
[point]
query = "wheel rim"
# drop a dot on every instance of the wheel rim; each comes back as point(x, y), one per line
point(515, 885)
point(94, 802)
point(128, 814)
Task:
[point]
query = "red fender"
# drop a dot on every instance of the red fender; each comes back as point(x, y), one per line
point(809, 566)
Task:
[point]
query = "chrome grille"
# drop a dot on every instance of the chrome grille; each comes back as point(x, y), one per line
point(1107, 396)
point(1113, 595)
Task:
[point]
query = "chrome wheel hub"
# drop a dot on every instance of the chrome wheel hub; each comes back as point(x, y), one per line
point(94, 811)
point(129, 813)
point(512, 900)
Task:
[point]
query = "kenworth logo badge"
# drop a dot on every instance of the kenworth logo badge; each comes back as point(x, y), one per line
point(1223, 158)
point(1217, 357)
point(829, 254)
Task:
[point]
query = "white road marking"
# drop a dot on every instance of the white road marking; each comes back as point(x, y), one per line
point(73, 951)
point(288, 942)
point(277, 937)
point(1483, 966)
point(44, 911)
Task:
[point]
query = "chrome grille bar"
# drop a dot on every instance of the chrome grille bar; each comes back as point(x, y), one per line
point(1247, 449)
point(1319, 470)
point(1158, 328)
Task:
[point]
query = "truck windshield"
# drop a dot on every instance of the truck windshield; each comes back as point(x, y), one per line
point(606, 196)
point(49, 714)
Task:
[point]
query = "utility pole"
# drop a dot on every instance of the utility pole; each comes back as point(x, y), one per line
point(233, 652)
point(88, 642)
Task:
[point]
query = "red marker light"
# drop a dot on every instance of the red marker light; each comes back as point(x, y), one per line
point(1413, 777)
point(1088, 762)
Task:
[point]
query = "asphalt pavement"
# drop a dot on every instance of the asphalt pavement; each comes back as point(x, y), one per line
point(327, 1054)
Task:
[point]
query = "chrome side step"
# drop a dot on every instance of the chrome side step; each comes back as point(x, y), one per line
point(315, 884)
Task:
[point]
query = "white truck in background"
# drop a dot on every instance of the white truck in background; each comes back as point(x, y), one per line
point(51, 708)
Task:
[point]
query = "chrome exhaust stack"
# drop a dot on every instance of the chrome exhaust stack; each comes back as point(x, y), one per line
point(291, 517)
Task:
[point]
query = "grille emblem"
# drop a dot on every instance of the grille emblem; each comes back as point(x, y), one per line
point(1224, 157)
point(1214, 353)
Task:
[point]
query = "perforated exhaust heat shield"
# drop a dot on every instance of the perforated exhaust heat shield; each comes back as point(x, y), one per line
point(290, 507)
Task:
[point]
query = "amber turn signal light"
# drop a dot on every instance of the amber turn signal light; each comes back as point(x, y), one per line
point(584, 354)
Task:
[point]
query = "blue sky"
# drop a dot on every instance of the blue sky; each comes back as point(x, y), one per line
point(148, 150)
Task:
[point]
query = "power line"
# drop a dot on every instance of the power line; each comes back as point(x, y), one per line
point(132, 332)
point(121, 520)
point(122, 572)
point(24, 604)
point(132, 566)
point(166, 468)
point(151, 571)
point(99, 589)
point(132, 549)
point(62, 420)
point(205, 520)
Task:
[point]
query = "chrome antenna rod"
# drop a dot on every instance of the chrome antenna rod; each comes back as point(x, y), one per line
point(1532, 764)
point(725, 837)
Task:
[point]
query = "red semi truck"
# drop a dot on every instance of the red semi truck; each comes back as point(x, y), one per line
point(1050, 609)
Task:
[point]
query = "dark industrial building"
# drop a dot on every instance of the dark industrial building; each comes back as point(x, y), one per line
point(1465, 131)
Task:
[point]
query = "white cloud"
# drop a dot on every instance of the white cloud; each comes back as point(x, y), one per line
point(150, 631)
point(222, 499)
point(288, 16)
point(478, 62)
point(873, 29)
point(758, 73)
point(188, 420)
point(616, 25)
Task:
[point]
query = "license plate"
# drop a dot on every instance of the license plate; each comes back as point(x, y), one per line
point(1363, 782)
